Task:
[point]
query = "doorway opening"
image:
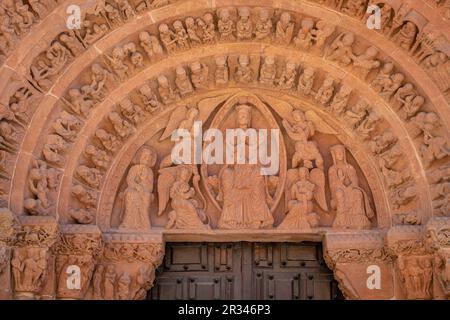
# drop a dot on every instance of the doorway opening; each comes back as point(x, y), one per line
point(244, 270)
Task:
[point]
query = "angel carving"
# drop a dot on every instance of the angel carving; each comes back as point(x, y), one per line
point(182, 117)
point(302, 188)
point(174, 185)
point(300, 130)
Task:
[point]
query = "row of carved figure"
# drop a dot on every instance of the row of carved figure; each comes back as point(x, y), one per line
point(223, 27)
point(359, 117)
point(17, 17)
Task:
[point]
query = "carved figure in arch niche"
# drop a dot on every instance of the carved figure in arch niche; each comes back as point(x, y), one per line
point(352, 204)
point(322, 32)
point(355, 8)
point(91, 176)
point(288, 76)
point(284, 29)
point(225, 25)
point(168, 38)
point(181, 36)
point(139, 192)
point(406, 37)
point(165, 90)
point(99, 158)
point(390, 87)
point(174, 184)
point(341, 49)
point(221, 73)
point(40, 180)
point(131, 111)
point(54, 145)
point(434, 146)
point(182, 81)
point(299, 199)
point(263, 26)
point(108, 141)
point(305, 37)
point(366, 62)
point(325, 92)
point(244, 72)
point(67, 126)
point(121, 126)
point(268, 71)
point(151, 45)
point(301, 130)
point(356, 114)
point(199, 75)
point(340, 100)
point(79, 103)
point(207, 28)
point(306, 81)
point(383, 78)
point(86, 197)
point(192, 31)
point(149, 99)
point(244, 27)
point(243, 190)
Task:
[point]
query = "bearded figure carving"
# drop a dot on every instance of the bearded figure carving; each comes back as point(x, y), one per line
point(242, 189)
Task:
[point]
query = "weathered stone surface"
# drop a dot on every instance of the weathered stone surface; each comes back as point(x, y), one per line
point(88, 185)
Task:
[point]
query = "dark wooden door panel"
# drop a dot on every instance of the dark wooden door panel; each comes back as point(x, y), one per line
point(263, 271)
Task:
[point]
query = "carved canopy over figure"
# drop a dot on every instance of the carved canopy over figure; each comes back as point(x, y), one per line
point(139, 192)
point(352, 204)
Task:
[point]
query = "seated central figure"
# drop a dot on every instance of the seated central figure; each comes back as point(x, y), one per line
point(242, 189)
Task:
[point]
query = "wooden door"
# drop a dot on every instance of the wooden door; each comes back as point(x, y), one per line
point(242, 270)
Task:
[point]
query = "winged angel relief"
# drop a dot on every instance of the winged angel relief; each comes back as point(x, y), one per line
point(235, 195)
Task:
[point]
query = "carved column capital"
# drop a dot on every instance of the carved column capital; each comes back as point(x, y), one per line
point(437, 237)
point(353, 256)
point(31, 259)
point(8, 230)
point(127, 268)
point(413, 261)
point(76, 253)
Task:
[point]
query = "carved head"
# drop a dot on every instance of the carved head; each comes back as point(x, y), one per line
point(269, 60)
point(298, 116)
point(144, 36)
point(208, 17)
point(398, 78)
point(308, 72)
point(196, 67)
point(163, 28)
point(181, 73)
point(307, 24)
point(221, 61)
point(348, 38)
point(264, 14)
point(148, 157)
point(338, 153)
point(244, 115)
point(163, 82)
point(190, 22)
point(244, 60)
point(244, 14)
point(285, 18)
point(184, 173)
point(388, 67)
point(371, 52)
point(224, 14)
point(177, 25)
